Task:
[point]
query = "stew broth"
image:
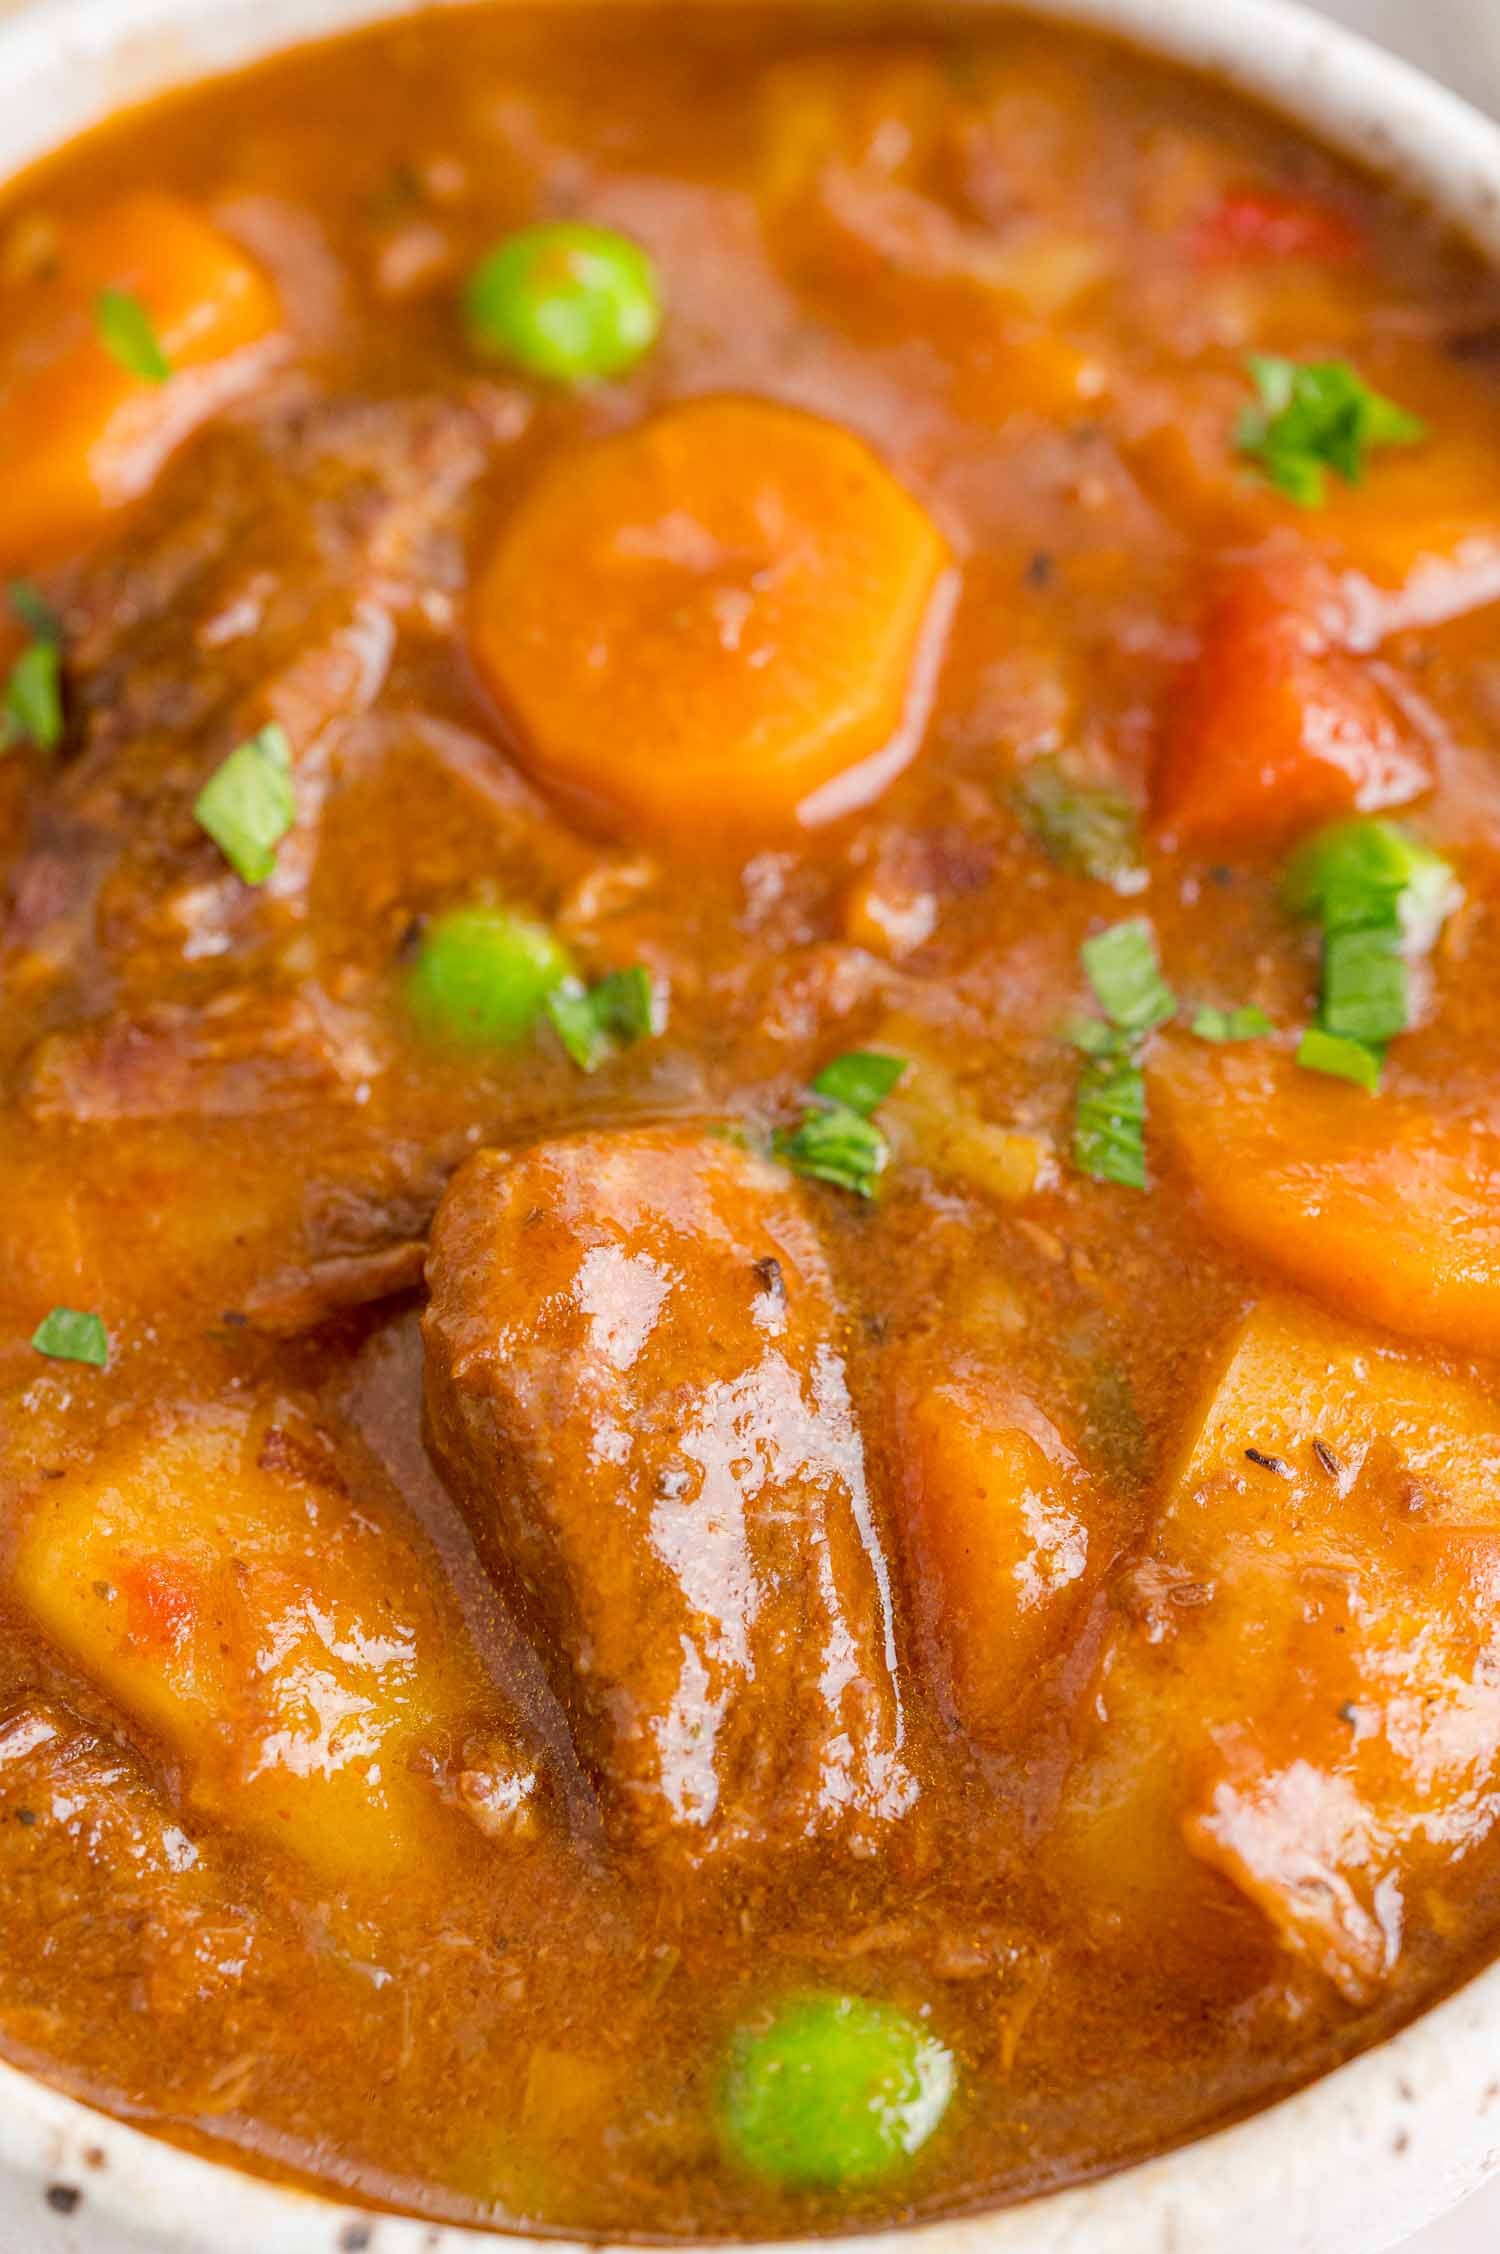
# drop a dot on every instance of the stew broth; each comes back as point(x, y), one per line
point(1057, 1608)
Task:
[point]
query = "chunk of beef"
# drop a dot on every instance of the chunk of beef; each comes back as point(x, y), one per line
point(266, 579)
point(634, 1389)
point(263, 582)
point(299, 1299)
point(89, 1846)
point(248, 1050)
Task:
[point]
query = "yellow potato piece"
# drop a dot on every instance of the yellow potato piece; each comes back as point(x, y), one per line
point(711, 626)
point(1302, 1687)
point(213, 1575)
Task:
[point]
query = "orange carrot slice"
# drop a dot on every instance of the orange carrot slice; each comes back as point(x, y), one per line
point(712, 624)
point(81, 432)
point(996, 1516)
point(1277, 725)
point(1382, 1206)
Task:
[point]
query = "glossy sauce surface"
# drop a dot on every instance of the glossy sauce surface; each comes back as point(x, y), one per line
point(455, 1676)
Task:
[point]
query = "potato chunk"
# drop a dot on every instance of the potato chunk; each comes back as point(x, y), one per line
point(635, 1392)
point(215, 1576)
point(1391, 1207)
point(898, 202)
point(1304, 1684)
point(996, 1520)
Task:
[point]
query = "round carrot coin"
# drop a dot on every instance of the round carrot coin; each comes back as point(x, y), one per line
point(713, 624)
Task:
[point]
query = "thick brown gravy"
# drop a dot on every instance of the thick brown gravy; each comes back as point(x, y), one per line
point(1132, 1725)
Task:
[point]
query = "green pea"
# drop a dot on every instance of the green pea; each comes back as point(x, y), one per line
point(565, 301)
point(483, 976)
point(833, 2091)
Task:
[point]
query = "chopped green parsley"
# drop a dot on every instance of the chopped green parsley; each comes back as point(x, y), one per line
point(1122, 967)
point(861, 1078)
point(837, 1140)
point(1381, 898)
point(248, 805)
point(1109, 1122)
point(1340, 1058)
point(67, 1335)
point(1244, 1024)
point(594, 1022)
point(31, 709)
point(1314, 416)
point(31, 705)
point(1088, 829)
point(128, 334)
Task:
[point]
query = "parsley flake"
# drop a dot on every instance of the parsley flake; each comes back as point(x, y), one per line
point(1381, 898)
point(1244, 1024)
point(838, 1146)
point(1122, 967)
point(861, 1078)
point(67, 1335)
point(31, 707)
point(594, 1022)
point(128, 334)
point(836, 1140)
point(1340, 1058)
point(248, 804)
point(31, 704)
point(1315, 416)
point(1109, 1121)
point(1088, 829)
point(1109, 1125)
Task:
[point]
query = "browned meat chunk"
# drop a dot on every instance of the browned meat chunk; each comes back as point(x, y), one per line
point(264, 582)
point(210, 1028)
point(635, 1391)
point(88, 1842)
point(246, 1051)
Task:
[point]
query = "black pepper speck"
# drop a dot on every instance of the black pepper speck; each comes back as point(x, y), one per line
point(1278, 1464)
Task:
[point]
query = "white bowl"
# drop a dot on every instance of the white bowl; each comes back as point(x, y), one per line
point(1347, 2166)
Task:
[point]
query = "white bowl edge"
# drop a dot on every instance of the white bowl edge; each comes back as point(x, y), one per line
point(1347, 2166)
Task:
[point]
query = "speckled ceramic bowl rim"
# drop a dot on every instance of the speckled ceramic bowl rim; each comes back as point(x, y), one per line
point(1346, 2166)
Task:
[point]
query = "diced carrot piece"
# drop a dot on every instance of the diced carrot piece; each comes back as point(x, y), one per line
point(996, 1520)
point(1389, 1207)
point(711, 625)
point(226, 1591)
point(1268, 223)
point(1298, 1686)
point(80, 433)
point(1277, 726)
